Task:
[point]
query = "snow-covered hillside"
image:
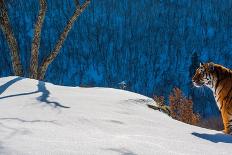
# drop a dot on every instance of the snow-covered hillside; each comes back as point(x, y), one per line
point(39, 118)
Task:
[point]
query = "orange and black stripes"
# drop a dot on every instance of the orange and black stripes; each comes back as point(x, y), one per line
point(219, 79)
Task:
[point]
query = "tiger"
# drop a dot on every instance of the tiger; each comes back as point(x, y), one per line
point(219, 80)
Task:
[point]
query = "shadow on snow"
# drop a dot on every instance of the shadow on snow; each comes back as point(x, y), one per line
point(45, 94)
point(215, 138)
point(29, 121)
point(9, 83)
point(122, 151)
point(41, 89)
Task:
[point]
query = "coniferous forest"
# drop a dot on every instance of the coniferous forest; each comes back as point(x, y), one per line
point(152, 45)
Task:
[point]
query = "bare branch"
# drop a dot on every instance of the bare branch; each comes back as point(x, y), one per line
point(47, 61)
point(11, 40)
point(36, 39)
point(77, 3)
point(84, 6)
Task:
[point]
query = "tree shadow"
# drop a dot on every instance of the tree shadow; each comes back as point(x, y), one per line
point(9, 83)
point(17, 130)
point(115, 121)
point(45, 94)
point(13, 131)
point(30, 121)
point(122, 151)
point(2, 149)
point(21, 94)
point(215, 138)
point(41, 89)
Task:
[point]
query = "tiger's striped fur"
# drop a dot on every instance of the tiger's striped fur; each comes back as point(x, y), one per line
point(219, 80)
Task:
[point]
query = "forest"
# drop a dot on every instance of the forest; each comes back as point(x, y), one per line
point(152, 45)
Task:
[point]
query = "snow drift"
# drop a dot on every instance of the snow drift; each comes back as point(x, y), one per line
point(41, 118)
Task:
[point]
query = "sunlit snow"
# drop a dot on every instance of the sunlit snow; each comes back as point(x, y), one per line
point(40, 118)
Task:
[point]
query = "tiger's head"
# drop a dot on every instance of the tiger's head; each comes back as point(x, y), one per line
point(204, 75)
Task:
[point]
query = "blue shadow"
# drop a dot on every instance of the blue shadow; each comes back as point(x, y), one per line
point(215, 138)
point(45, 94)
point(41, 89)
point(9, 83)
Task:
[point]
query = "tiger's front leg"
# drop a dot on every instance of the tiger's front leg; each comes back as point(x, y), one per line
point(226, 131)
point(227, 121)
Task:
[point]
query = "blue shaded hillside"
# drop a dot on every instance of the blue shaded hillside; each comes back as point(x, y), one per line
point(148, 44)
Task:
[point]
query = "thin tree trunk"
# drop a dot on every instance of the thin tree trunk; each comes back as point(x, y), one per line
point(48, 60)
point(11, 40)
point(36, 40)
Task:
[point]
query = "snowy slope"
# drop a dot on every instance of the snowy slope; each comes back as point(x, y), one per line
point(35, 119)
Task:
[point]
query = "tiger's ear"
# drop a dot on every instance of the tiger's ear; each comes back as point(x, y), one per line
point(201, 64)
point(211, 66)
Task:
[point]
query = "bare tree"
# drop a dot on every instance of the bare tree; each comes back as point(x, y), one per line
point(36, 39)
point(48, 60)
point(37, 72)
point(11, 40)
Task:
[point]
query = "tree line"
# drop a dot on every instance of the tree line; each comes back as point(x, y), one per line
point(37, 71)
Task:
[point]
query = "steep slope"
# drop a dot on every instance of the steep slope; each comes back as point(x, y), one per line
point(35, 118)
point(148, 44)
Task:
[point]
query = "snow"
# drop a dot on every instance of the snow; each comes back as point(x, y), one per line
point(35, 118)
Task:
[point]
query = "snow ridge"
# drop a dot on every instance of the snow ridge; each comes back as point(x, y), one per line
point(35, 119)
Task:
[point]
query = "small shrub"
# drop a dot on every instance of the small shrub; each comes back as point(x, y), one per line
point(182, 108)
point(159, 100)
